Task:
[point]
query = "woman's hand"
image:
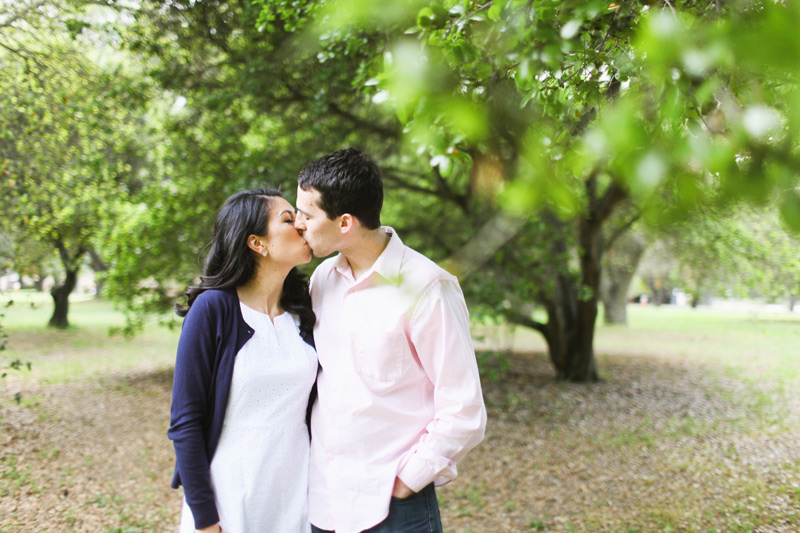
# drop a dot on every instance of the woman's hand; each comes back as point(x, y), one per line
point(216, 528)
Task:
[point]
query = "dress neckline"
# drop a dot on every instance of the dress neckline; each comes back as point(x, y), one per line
point(257, 312)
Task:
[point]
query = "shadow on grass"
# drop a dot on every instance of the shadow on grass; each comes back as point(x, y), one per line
point(160, 379)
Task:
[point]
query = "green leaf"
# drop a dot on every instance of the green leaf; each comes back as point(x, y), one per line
point(425, 17)
point(790, 210)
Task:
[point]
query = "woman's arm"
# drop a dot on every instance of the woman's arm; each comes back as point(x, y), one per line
point(194, 370)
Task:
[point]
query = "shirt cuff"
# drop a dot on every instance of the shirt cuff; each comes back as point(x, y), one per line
point(419, 472)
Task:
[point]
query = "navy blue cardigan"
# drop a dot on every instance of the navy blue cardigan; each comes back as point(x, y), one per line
point(213, 333)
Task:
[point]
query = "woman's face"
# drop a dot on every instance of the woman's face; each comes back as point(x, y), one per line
point(284, 243)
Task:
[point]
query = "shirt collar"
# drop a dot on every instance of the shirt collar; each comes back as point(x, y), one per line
point(387, 265)
point(341, 266)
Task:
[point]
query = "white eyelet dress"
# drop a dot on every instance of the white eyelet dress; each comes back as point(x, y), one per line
point(260, 468)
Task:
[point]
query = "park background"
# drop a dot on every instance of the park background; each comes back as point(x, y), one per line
point(615, 184)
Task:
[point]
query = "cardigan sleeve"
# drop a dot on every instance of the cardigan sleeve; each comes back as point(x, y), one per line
point(191, 405)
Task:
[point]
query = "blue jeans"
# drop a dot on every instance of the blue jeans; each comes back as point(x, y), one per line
point(419, 513)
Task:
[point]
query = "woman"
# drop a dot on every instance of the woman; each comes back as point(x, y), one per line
point(243, 375)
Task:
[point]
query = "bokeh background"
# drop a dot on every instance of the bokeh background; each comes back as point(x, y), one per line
point(616, 184)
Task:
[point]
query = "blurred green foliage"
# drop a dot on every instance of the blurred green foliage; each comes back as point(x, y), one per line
point(514, 136)
point(742, 254)
point(561, 112)
point(681, 103)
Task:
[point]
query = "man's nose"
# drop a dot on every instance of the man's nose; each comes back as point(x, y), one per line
point(299, 222)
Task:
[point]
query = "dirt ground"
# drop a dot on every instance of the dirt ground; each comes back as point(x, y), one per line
point(659, 445)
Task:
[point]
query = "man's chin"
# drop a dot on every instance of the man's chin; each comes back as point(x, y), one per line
point(320, 253)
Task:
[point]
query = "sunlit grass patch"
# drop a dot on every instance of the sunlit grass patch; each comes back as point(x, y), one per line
point(85, 349)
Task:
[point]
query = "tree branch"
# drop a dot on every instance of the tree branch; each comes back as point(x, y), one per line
point(491, 237)
point(520, 319)
point(361, 123)
point(391, 175)
point(672, 9)
point(447, 192)
point(357, 121)
point(621, 230)
point(605, 206)
point(98, 265)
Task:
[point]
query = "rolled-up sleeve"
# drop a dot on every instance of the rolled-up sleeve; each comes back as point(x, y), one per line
point(439, 332)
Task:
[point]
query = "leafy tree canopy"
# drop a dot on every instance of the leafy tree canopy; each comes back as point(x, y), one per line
point(509, 132)
point(70, 130)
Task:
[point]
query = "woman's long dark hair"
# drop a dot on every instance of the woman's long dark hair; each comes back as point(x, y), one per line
point(231, 263)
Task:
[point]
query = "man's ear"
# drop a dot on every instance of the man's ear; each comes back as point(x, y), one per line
point(347, 223)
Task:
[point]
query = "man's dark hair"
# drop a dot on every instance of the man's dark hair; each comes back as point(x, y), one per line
point(348, 181)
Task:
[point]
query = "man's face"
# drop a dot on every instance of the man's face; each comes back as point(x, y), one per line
point(321, 233)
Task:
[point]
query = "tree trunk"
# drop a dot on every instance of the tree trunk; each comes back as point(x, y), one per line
point(615, 301)
point(572, 307)
point(581, 365)
point(620, 265)
point(60, 296)
point(584, 368)
point(61, 293)
point(659, 292)
point(99, 266)
point(572, 314)
point(560, 330)
point(695, 301)
point(569, 333)
point(571, 355)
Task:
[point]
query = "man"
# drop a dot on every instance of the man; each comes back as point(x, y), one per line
point(399, 393)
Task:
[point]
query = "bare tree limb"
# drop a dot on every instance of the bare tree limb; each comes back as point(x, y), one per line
point(500, 229)
point(605, 206)
point(521, 319)
point(618, 232)
point(355, 120)
point(392, 176)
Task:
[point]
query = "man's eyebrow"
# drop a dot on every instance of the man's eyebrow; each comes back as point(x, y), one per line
point(304, 212)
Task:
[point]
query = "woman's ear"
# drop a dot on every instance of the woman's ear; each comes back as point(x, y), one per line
point(255, 243)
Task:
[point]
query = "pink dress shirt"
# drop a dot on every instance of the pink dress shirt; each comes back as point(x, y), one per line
point(399, 391)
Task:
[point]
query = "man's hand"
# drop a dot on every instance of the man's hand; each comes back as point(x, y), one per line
point(216, 528)
point(401, 490)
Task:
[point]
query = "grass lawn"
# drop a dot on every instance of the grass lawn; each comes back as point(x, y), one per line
point(695, 426)
point(85, 349)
